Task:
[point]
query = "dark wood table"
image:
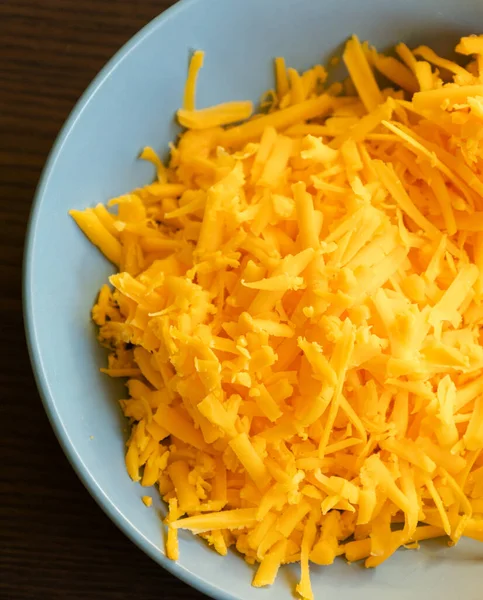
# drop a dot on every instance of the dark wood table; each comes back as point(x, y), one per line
point(55, 542)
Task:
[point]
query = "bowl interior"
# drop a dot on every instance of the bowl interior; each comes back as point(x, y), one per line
point(130, 105)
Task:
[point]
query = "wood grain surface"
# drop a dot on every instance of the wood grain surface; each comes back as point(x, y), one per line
point(55, 542)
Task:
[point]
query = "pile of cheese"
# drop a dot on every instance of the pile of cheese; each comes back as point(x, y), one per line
point(298, 310)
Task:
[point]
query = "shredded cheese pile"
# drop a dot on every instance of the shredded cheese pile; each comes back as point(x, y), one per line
point(298, 310)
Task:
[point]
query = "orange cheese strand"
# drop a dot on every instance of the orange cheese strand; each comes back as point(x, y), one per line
point(298, 309)
point(196, 62)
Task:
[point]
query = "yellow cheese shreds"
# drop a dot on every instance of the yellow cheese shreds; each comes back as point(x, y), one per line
point(150, 155)
point(230, 519)
point(472, 44)
point(249, 458)
point(196, 62)
point(297, 93)
point(361, 74)
point(281, 77)
point(98, 234)
point(396, 71)
point(298, 309)
point(449, 95)
point(319, 106)
point(222, 114)
point(270, 564)
point(304, 588)
point(462, 76)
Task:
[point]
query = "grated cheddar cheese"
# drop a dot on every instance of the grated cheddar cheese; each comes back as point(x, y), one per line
point(298, 311)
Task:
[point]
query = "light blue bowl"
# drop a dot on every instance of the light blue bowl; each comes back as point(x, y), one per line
point(129, 105)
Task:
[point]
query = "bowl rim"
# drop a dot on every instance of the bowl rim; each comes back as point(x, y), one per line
point(87, 478)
